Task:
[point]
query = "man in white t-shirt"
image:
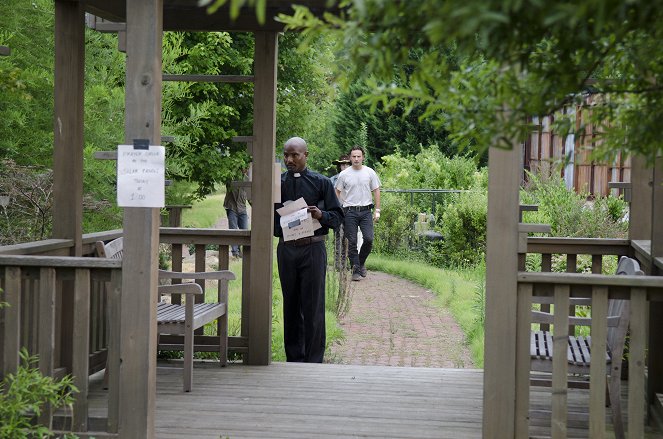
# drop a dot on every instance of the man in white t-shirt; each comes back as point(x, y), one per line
point(359, 188)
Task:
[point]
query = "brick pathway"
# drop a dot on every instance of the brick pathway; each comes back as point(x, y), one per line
point(392, 322)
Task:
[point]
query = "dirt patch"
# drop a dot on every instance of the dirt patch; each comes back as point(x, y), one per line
point(392, 322)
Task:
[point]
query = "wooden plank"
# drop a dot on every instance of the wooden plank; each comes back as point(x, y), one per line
point(37, 247)
point(59, 262)
point(597, 368)
point(222, 297)
point(523, 360)
point(141, 227)
point(243, 139)
point(246, 296)
point(655, 354)
point(80, 347)
point(560, 364)
point(172, 235)
point(584, 246)
point(639, 226)
point(68, 140)
point(11, 342)
point(264, 133)
point(591, 279)
point(501, 288)
point(113, 362)
point(228, 79)
point(46, 319)
point(636, 370)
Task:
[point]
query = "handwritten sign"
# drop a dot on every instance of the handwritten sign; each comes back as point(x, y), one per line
point(140, 176)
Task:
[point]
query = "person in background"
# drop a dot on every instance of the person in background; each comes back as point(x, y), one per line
point(359, 188)
point(302, 263)
point(235, 205)
point(342, 164)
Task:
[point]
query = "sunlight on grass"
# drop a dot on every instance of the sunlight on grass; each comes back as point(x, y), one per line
point(459, 291)
point(205, 213)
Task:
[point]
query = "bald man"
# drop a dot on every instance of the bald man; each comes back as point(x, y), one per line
point(303, 262)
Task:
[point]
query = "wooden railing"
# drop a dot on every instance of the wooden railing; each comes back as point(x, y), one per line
point(36, 288)
point(599, 287)
point(66, 310)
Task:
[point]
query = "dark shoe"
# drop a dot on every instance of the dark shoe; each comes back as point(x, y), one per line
point(363, 271)
point(356, 273)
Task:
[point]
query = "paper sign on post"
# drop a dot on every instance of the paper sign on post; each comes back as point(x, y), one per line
point(141, 176)
point(296, 222)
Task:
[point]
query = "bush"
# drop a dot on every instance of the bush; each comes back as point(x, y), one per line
point(464, 230)
point(393, 232)
point(573, 215)
point(24, 395)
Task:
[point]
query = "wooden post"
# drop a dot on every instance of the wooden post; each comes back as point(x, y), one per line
point(655, 380)
point(264, 139)
point(501, 298)
point(68, 122)
point(640, 214)
point(68, 153)
point(141, 227)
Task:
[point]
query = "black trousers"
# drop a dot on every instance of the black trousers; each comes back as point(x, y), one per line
point(359, 221)
point(302, 271)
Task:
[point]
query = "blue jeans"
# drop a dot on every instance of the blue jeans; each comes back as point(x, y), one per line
point(237, 221)
point(364, 221)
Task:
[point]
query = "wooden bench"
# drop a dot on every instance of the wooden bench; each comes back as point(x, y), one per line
point(185, 319)
point(579, 347)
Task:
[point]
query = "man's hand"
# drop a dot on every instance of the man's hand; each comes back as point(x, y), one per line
point(376, 215)
point(315, 212)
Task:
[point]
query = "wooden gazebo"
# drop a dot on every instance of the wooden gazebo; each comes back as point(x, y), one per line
point(55, 312)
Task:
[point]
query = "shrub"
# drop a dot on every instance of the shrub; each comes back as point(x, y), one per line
point(572, 215)
point(393, 232)
point(464, 230)
point(23, 396)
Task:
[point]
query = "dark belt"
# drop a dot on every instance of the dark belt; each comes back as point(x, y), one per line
point(304, 241)
point(356, 208)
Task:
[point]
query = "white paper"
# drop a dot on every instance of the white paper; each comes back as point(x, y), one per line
point(141, 176)
point(296, 222)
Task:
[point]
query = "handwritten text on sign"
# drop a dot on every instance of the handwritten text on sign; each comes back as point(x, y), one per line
point(140, 176)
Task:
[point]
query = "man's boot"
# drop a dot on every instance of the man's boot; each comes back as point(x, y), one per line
point(356, 273)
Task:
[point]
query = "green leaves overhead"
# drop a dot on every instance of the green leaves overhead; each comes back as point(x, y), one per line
point(477, 58)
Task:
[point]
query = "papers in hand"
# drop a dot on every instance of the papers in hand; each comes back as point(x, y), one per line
point(296, 222)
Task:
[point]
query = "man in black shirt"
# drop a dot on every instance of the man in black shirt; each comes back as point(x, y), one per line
point(303, 262)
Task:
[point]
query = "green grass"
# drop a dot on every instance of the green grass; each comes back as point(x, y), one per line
point(462, 292)
point(205, 213)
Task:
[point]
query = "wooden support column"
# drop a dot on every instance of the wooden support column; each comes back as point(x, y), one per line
point(640, 213)
point(655, 380)
point(264, 139)
point(68, 123)
point(141, 227)
point(501, 298)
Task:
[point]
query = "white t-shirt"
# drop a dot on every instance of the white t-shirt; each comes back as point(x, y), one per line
point(356, 186)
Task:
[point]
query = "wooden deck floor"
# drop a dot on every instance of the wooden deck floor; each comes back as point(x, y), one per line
point(289, 400)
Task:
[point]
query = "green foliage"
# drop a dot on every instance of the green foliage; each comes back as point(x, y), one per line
point(464, 230)
point(466, 61)
point(24, 395)
point(571, 214)
point(26, 82)
point(393, 232)
point(382, 132)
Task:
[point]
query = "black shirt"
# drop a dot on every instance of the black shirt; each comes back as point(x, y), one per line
point(317, 190)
